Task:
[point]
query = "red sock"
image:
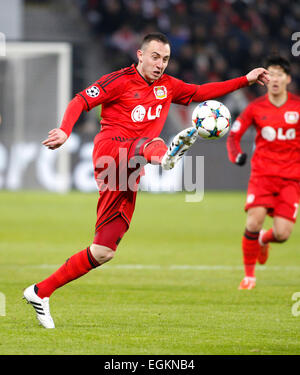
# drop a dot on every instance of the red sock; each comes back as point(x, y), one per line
point(269, 236)
point(250, 248)
point(78, 265)
point(155, 151)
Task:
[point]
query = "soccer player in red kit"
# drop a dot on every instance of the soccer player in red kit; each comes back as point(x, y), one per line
point(135, 103)
point(274, 184)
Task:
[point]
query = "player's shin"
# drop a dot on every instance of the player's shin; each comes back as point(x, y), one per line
point(76, 266)
point(250, 247)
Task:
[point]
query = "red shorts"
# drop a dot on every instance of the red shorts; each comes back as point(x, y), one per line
point(117, 169)
point(111, 233)
point(279, 195)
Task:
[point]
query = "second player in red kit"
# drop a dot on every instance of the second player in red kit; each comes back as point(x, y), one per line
point(274, 185)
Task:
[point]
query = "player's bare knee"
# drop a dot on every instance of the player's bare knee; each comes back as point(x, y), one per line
point(102, 254)
point(254, 225)
point(255, 218)
point(282, 235)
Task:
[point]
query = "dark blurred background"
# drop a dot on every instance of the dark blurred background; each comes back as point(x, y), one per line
point(211, 41)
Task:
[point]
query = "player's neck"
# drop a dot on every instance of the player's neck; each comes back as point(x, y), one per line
point(141, 73)
point(278, 100)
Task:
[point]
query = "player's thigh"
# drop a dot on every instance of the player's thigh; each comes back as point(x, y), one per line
point(260, 197)
point(282, 228)
point(255, 218)
point(108, 237)
point(287, 202)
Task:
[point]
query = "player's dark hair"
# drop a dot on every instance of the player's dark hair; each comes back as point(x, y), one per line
point(159, 37)
point(277, 60)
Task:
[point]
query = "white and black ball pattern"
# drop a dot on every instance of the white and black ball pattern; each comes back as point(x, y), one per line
point(212, 119)
point(93, 91)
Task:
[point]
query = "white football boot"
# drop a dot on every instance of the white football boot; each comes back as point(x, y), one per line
point(41, 306)
point(180, 144)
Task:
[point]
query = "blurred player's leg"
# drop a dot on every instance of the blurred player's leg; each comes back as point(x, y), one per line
point(250, 245)
point(281, 231)
point(285, 213)
point(180, 144)
point(264, 248)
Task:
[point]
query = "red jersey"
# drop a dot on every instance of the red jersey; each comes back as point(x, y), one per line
point(277, 142)
point(133, 107)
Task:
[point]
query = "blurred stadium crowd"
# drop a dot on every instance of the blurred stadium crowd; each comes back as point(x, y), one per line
point(211, 40)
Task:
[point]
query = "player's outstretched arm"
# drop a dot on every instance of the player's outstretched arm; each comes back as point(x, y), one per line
point(258, 75)
point(56, 138)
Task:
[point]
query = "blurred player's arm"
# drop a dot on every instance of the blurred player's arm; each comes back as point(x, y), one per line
point(233, 143)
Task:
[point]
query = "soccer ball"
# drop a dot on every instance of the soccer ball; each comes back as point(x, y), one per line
point(211, 119)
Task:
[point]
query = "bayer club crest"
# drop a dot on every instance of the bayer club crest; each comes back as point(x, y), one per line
point(160, 92)
point(93, 92)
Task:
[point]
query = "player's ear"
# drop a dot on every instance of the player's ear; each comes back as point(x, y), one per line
point(139, 54)
point(289, 79)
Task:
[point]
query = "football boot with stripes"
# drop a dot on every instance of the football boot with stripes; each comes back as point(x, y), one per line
point(40, 305)
point(180, 144)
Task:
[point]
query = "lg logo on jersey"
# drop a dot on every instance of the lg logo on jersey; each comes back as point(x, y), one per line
point(139, 112)
point(270, 134)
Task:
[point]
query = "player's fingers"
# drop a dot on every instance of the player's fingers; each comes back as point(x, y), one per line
point(50, 141)
point(47, 141)
point(262, 71)
point(264, 79)
point(53, 144)
point(53, 137)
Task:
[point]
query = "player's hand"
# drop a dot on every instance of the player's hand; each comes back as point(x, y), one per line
point(259, 75)
point(56, 138)
point(241, 159)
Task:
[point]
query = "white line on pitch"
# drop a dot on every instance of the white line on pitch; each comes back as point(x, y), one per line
point(172, 267)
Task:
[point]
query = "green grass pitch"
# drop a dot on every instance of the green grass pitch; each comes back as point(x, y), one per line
point(171, 289)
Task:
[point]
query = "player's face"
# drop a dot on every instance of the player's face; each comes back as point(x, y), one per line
point(153, 60)
point(278, 80)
